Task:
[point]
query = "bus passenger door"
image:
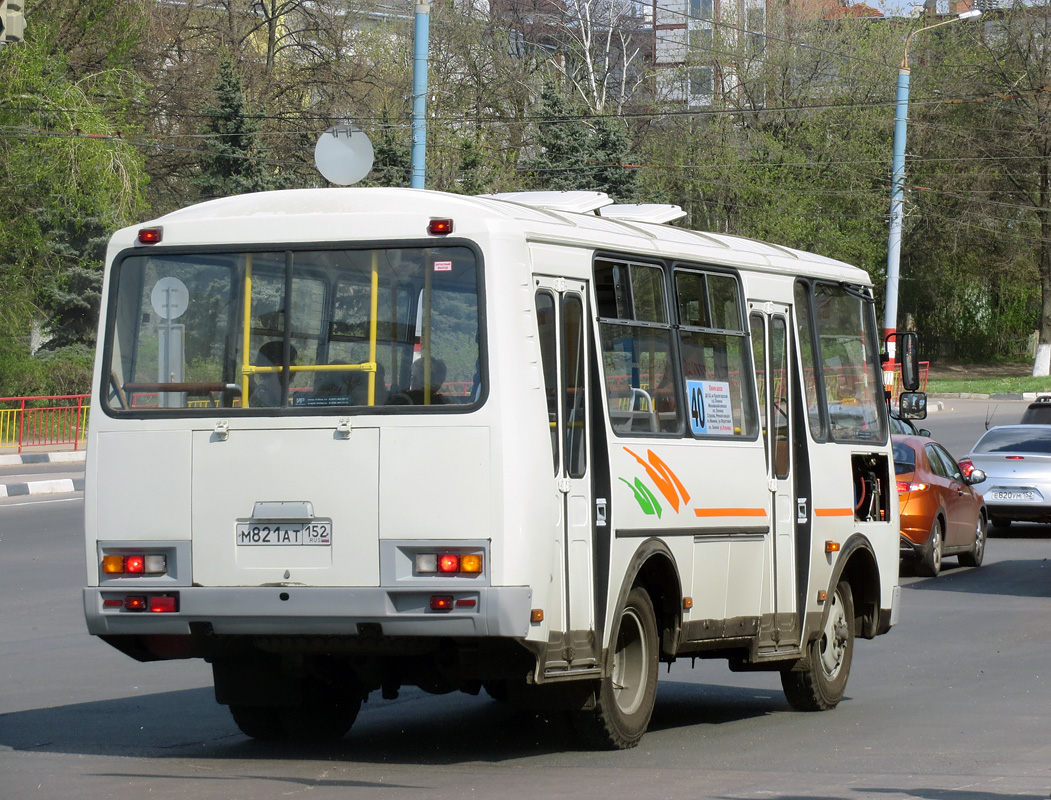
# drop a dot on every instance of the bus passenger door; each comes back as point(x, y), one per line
point(563, 328)
point(772, 344)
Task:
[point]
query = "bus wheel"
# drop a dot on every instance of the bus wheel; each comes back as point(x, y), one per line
point(259, 722)
point(624, 699)
point(317, 718)
point(820, 686)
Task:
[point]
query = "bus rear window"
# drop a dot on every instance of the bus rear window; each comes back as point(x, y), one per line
point(288, 330)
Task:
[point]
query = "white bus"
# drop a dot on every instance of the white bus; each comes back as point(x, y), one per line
point(347, 440)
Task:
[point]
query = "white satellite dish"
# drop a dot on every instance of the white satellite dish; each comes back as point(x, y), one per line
point(343, 155)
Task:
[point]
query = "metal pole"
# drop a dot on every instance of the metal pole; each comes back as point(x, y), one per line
point(419, 94)
point(897, 200)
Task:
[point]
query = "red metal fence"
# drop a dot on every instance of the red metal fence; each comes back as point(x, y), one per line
point(43, 421)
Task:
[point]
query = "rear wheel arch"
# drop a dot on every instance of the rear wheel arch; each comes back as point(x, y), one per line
point(857, 566)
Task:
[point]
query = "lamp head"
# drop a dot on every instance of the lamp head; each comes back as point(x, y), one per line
point(974, 12)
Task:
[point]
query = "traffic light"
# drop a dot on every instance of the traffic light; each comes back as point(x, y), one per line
point(12, 21)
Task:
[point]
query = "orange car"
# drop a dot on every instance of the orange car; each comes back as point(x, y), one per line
point(941, 514)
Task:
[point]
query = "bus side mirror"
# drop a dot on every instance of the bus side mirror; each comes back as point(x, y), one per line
point(908, 347)
point(912, 405)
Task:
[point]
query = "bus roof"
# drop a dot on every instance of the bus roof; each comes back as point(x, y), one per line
point(371, 214)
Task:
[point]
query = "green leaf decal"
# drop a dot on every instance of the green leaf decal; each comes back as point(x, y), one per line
point(644, 497)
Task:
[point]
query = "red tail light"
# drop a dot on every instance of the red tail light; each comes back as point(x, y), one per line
point(449, 562)
point(441, 602)
point(966, 467)
point(161, 604)
point(911, 486)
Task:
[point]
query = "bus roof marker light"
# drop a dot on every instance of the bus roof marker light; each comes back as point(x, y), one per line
point(440, 227)
point(151, 235)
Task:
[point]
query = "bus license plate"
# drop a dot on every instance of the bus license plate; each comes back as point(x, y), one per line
point(251, 534)
point(1013, 496)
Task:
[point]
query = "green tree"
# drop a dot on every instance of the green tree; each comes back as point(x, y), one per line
point(233, 160)
point(64, 159)
point(577, 152)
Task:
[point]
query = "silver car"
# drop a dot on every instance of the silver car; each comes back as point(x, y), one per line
point(1017, 461)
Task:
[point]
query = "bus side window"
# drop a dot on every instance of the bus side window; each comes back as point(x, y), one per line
point(642, 383)
point(545, 320)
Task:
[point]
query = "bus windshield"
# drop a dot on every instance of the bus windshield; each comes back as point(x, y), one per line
point(290, 331)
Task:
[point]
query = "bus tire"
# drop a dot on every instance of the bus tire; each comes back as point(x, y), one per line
point(625, 698)
point(317, 718)
point(821, 685)
point(259, 722)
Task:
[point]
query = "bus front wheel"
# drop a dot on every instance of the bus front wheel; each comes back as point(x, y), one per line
point(821, 684)
point(625, 698)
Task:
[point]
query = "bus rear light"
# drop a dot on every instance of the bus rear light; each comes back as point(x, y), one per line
point(467, 602)
point(150, 235)
point(135, 603)
point(135, 564)
point(160, 604)
point(113, 602)
point(440, 227)
point(155, 564)
point(449, 562)
point(441, 602)
point(113, 565)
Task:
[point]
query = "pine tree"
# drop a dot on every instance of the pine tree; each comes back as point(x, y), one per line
point(234, 161)
point(580, 153)
point(564, 140)
point(72, 298)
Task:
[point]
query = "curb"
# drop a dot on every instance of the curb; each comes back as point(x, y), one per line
point(42, 487)
point(65, 457)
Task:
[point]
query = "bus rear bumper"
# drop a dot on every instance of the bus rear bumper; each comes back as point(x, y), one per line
point(305, 610)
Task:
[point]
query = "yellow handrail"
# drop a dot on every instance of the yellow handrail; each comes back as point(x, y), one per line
point(246, 367)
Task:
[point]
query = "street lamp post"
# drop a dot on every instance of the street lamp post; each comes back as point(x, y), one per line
point(897, 200)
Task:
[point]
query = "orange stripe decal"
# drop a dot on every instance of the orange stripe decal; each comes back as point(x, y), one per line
point(833, 512)
point(667, 481)
point(730, 512)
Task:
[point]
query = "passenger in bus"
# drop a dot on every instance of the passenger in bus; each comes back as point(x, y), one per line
point(415, 394)
point(333, 386)
point(359, 387)
point(269, 387)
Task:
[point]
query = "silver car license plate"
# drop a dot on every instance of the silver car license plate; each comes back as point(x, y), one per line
point(1023, 495)
point(260, 534)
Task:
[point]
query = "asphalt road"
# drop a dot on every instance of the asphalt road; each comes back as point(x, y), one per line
point(953, 704)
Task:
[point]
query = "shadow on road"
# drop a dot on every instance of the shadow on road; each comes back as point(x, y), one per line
point(415, 729)
point(1017, 578)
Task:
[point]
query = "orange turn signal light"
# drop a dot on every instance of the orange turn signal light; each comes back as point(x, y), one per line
point(831, 547)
